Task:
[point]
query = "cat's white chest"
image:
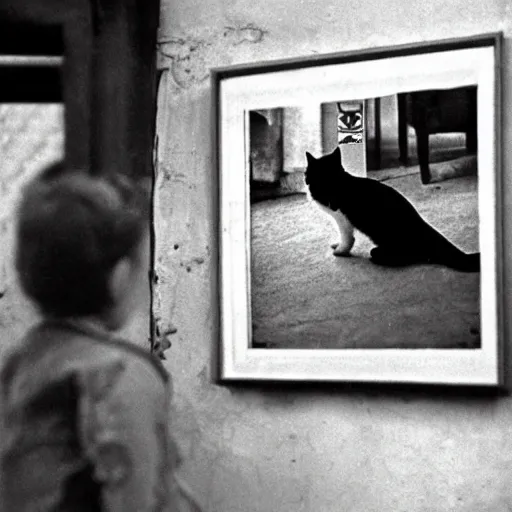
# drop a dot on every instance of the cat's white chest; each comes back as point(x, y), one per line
point(344, 227)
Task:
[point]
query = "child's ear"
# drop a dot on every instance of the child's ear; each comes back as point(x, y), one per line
point(119, 279)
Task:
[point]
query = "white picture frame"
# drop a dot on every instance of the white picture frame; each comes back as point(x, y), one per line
point(238, 90)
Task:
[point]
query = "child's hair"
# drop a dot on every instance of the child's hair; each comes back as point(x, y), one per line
point(72, 229)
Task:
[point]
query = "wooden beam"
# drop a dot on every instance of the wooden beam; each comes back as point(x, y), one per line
point(124, 85)
point(40, 12)
point(78, 82)
point(30, 84)
point(29, 38)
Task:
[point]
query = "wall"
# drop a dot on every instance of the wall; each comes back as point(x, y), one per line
point(321, 449)
point(302, 129)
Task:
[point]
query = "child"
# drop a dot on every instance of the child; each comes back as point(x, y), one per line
point(84, 414)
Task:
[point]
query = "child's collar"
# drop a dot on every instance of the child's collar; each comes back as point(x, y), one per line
point(97, 330)
point(89, 326)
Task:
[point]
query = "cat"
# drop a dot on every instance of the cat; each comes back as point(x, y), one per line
point(402, 237)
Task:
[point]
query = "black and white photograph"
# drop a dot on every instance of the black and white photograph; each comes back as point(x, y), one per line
point(366, 236)
point(255, 256)
point(316, 232)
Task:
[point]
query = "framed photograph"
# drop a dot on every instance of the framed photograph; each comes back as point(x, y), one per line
point(360, 216)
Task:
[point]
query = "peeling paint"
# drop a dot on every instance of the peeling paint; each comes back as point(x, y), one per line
point(246, 34)
point(189, 263)
point(162, 335)
point(190, 59)
point(169, 174)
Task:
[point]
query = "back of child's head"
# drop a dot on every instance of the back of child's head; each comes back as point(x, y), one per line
point(72, 230)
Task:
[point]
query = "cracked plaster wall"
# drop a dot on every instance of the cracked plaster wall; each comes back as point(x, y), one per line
point(303, 450)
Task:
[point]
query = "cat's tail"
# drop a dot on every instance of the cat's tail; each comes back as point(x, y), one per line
point(465, 262)
point(445, 253)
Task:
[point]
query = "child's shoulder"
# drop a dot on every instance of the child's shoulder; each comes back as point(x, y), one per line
point(53, 350)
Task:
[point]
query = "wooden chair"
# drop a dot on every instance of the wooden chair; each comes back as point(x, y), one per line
point(436, 111)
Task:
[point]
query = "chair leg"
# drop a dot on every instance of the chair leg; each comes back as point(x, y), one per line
point(472, 133)
point(471, 142)
point(423, 155)
point(420, 125)
point(402, 129)
point(378, 134)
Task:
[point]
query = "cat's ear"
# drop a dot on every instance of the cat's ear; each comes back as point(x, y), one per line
point(309, 157)
point(337, 153)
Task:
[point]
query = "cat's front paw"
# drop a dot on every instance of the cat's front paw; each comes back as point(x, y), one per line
point(344, 247)
point(341, 250)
